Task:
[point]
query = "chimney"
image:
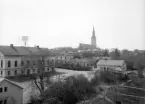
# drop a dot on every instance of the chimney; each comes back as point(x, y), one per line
point(11, 45)
point(38, 47)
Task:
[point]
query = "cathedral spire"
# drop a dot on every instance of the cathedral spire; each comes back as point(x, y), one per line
point(93, 38)
point(93, 34)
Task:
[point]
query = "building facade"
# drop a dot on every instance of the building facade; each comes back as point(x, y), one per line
point(112, 65)
point(13, 59)
point(10, 92)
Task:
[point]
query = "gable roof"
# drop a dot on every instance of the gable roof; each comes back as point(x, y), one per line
point(12, 82)
point(23, 51)
point(111, 62)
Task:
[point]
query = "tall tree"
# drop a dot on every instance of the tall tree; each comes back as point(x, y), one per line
point(38, 78)
point(106, 53)
point(116, 54)
point(140, 65)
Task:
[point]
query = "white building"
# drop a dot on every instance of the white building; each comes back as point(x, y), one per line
point(14, 58)
point(117, 65)
point(10, 92)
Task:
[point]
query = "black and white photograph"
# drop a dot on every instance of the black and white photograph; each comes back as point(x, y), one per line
point(72, 51)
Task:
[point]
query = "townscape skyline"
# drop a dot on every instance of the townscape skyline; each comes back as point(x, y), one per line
point(118, 24)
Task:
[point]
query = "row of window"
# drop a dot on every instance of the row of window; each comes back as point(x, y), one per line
point(22, 72)
point(22, 63)
point(5, 89)
point(3, 101)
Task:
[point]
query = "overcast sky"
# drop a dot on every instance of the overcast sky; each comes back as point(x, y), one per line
point(56, 23)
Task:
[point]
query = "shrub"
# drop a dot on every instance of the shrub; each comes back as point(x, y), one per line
point(70, 91)
point(95, 80)
point(108, 77)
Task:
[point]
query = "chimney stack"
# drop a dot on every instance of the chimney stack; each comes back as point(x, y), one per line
point(11, 45)
point(38, 47)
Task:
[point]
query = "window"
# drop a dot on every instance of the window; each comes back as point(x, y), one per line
point(9, 63)
point(1, 63)
point(16, 63)
point(5, 101)
point(1, 90)
point(28, 62)
point(22, 63)
point(8, 72)
point(5, 89)
point(47, 69)
point(1, 72)
point(15, 72)
point(28, 71)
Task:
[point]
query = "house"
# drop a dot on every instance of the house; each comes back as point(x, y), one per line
point(64, 57)
point(14, 58)
point(10, 92)
point(84, 62)
point(117, 65)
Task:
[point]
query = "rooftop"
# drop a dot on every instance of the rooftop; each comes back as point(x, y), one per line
point(23, 51)
point(111, 62)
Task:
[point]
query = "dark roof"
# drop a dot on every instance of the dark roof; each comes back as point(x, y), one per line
point(23, 51)
point(86, 46)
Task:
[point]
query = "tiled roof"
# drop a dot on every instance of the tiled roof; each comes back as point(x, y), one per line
point(23, 51)
point(111, 62)
point(86, 46)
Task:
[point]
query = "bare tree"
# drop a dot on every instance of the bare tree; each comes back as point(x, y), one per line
point(38, 76)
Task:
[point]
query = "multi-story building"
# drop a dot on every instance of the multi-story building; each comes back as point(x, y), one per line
point(14, 58)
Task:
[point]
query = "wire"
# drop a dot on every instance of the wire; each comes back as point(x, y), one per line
point(27, 87)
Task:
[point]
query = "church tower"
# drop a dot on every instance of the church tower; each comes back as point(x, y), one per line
point(93, 38)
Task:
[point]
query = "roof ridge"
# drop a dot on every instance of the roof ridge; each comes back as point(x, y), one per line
point(12, 82)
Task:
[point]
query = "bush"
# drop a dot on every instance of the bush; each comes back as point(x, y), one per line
point(108, 77)
point(95, 80)
point(72, 90)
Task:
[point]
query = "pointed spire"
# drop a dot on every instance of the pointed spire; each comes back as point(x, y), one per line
point(93, 35)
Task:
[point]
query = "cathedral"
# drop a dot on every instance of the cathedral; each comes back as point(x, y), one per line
point(91, 46)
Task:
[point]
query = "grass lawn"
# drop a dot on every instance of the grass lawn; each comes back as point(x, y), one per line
point(24, 78)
